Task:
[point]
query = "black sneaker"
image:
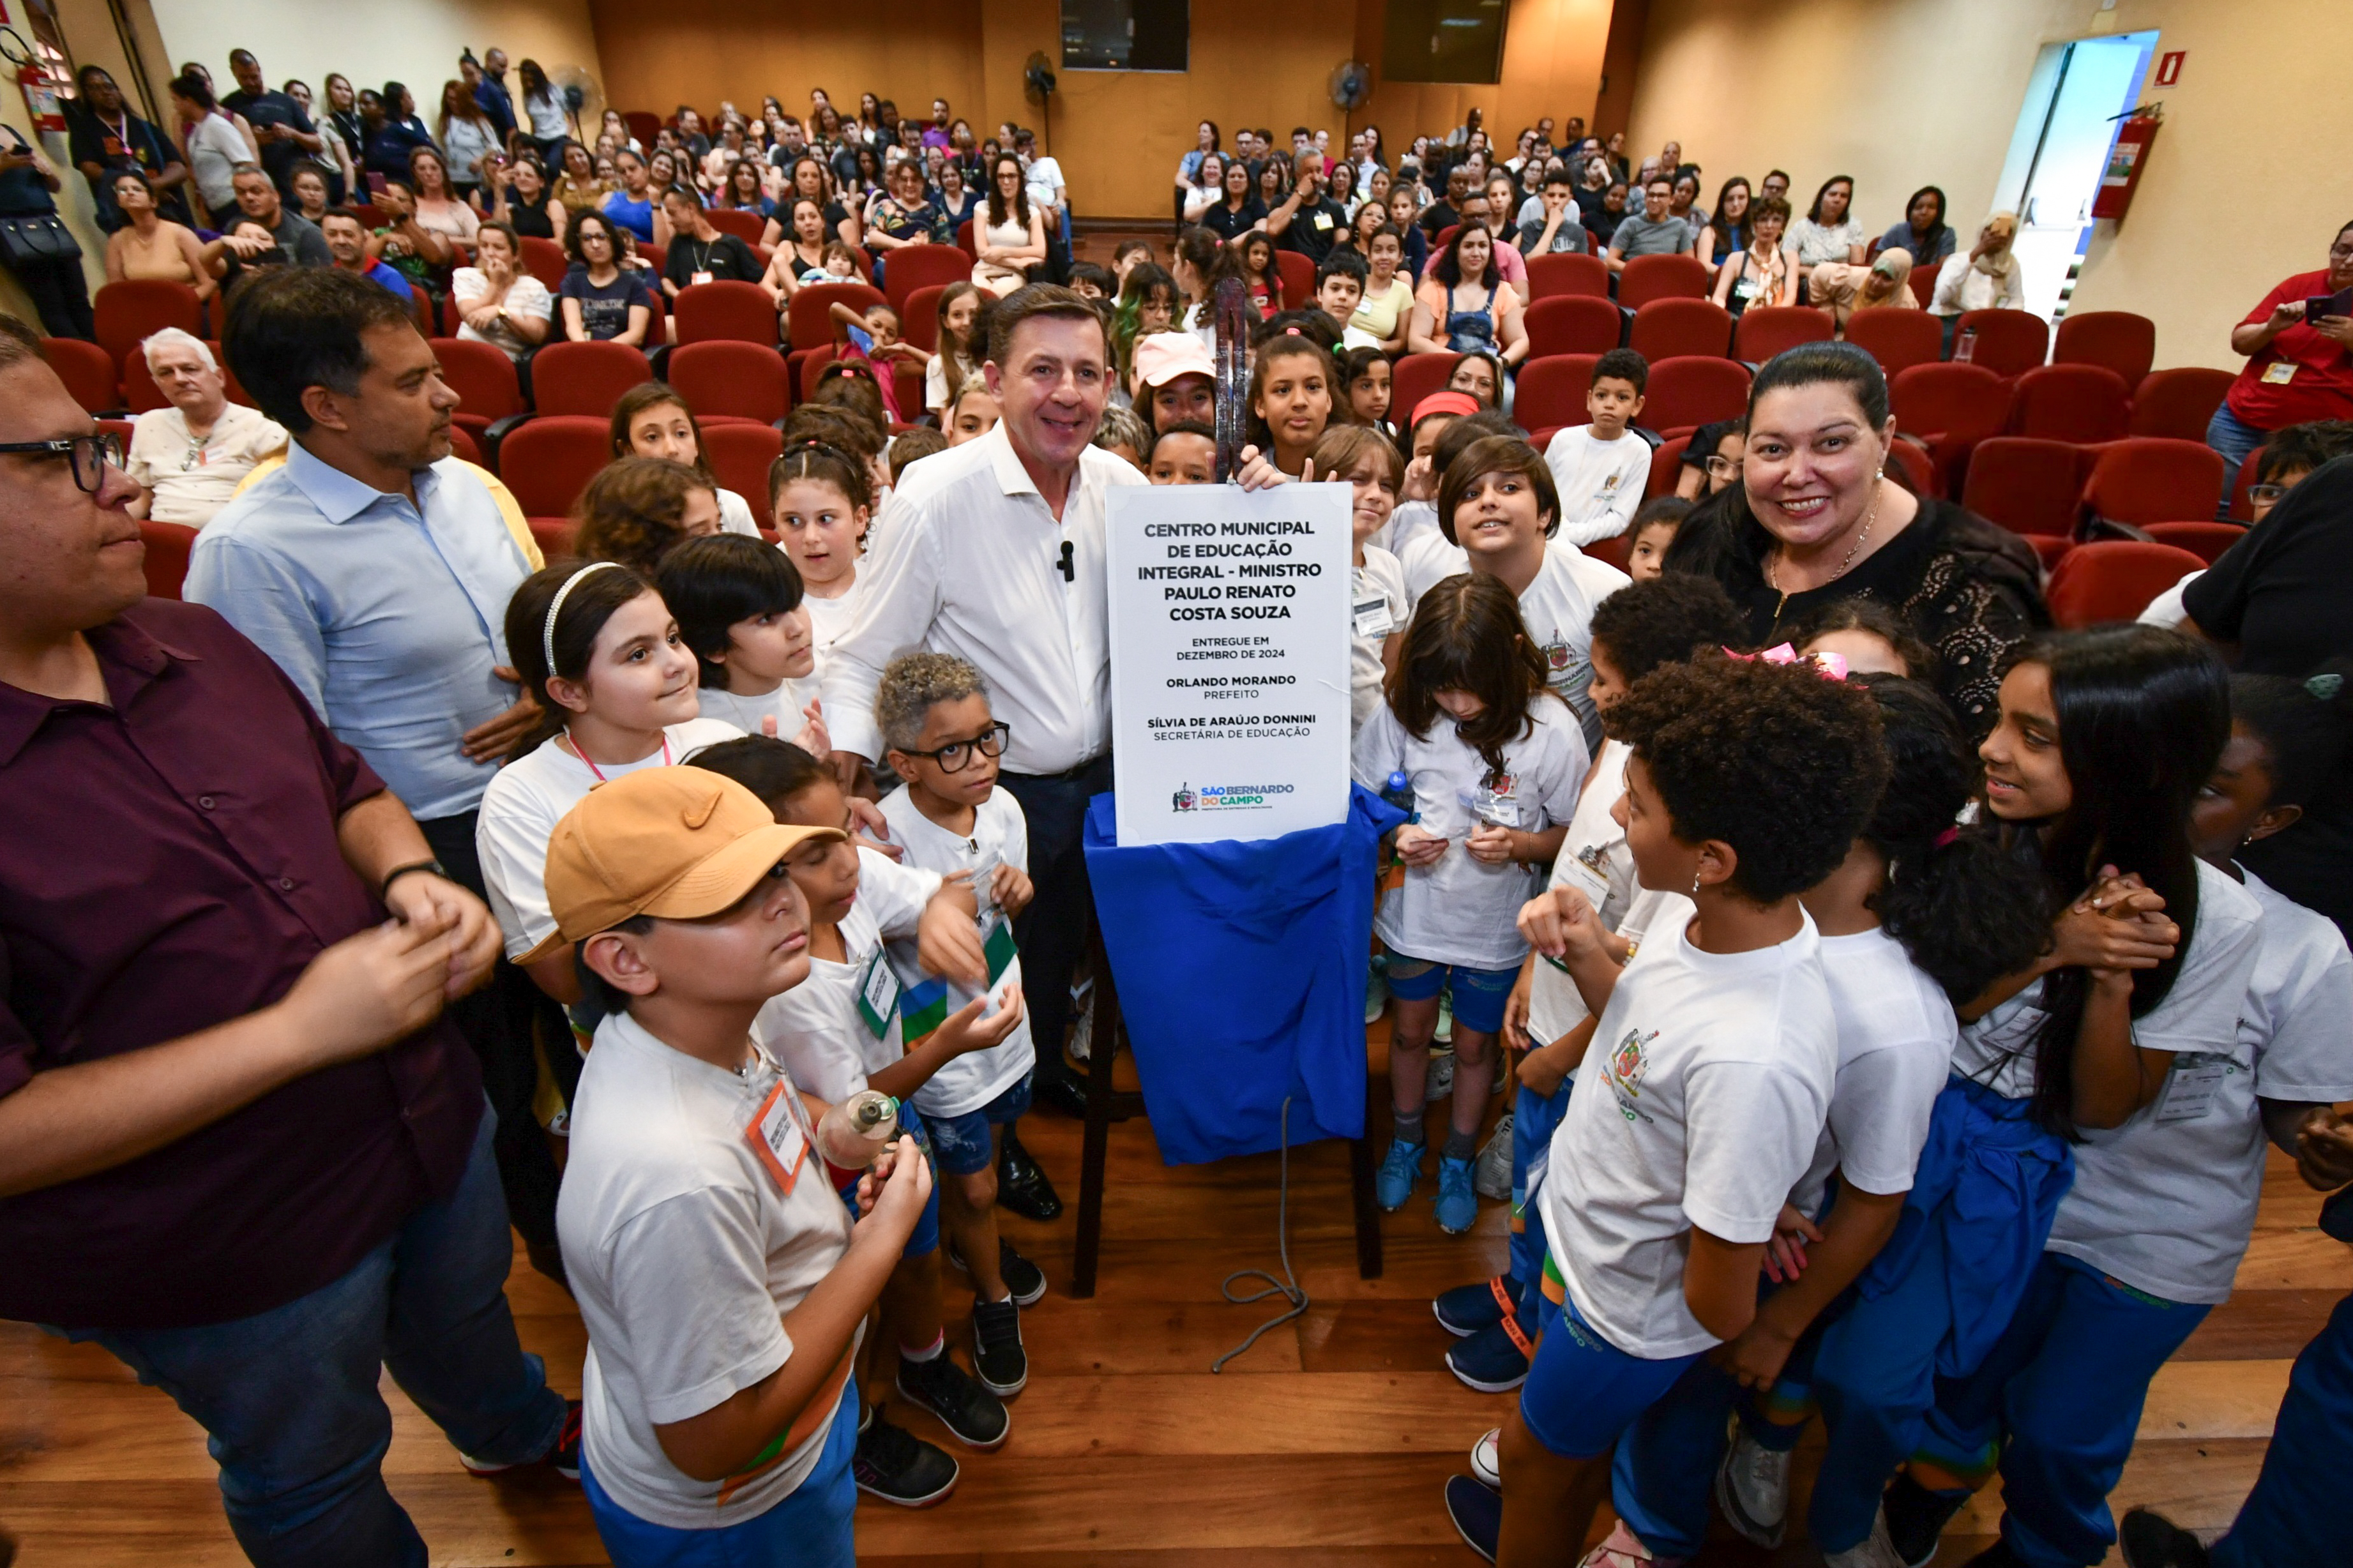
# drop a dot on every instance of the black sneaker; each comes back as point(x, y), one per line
point(2152, 1540)
point(945, 1389)
point(563, 1459)
point(898, 1467)
point(1022, 1186)
point(1477, 1513)
point(1917, 1517)
point(1023, 1278)
point(996, 1352)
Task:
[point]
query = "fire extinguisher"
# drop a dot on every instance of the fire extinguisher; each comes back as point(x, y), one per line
point(37, 80)
point(2126, 158)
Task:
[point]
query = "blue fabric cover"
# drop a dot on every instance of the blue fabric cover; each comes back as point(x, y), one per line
point(1241, 968)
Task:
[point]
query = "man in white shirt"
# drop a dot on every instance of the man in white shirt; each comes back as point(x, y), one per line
point(189, 458)
point(996, 554)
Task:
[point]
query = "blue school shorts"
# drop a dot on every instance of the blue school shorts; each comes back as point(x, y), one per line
point(961, 1142)
point(1479, 993)
point(1582, 1392)
point(926, 1238)
point(810, 1529)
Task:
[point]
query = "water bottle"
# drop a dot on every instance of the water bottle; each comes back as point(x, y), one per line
point(852, 1134)
point(1964, 346)
point(1398, 793)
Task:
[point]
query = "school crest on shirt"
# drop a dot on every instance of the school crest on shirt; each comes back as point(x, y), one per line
point(1628, 1061)
point(1557, 657)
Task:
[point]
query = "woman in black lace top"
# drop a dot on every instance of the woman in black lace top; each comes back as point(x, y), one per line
point(1814, 520)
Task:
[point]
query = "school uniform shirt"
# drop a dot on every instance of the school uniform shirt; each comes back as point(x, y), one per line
point(1557, 607)
point(1428, 559)
point(1462, 911)
point(2199, 1013)
point(972, 564)
point(1600, 482)
point(735, 515)
point(2167, 1202)
point(1408, 521)
point(785, 704)
point(999, 836)
point(1896, 1037)
point(529, 797)
point(1377, 609)
point(818, 1029)
point(1698, 1108)
point(684, 1250)
point(829, 618)
point(1595, 860)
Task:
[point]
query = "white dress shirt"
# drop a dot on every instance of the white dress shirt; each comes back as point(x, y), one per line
point(970, 566)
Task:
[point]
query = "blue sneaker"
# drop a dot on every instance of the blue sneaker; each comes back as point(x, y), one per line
point(1477, 1514)
point(1400, 1169)
point(1492, 1361)
point(1467, 1308)
point(1458, 1196)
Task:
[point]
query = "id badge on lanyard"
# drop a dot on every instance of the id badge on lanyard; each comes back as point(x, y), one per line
point(878, 994)
point(1372, 616)
point(779, 1136)
point(2191, 1087)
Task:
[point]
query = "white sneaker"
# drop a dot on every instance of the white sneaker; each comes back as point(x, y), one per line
point(1876, 1551)
point(1439, 1083)
point(1622, 1550)
point(1487, 1458)
point(1083, 1018)
point(1493, 1174)
point(1752, 1490)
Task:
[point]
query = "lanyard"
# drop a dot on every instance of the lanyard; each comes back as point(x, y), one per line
point(574, 748)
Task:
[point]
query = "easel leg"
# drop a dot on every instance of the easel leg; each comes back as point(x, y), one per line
point(1360, 1183)
point(1105, 1044)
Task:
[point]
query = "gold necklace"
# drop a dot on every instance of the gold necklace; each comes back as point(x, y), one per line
point(1772, 579)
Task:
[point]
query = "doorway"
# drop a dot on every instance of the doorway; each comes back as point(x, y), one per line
point(2076, 100)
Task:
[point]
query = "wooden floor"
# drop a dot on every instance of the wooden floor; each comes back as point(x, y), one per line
point(1327, 1444)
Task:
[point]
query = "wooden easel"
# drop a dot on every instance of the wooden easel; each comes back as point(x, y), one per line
point(1107, 1105)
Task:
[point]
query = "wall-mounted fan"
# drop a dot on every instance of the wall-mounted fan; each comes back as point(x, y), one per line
point(1351, 84)
point(583, 99)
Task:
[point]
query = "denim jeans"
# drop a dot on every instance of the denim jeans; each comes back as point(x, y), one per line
point(289, 1400)
point(2235, 439)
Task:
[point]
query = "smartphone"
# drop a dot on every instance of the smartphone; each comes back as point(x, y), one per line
point(861, 340)
point(2319, 305)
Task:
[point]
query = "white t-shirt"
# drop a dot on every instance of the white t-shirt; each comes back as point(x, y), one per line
point(829, 618)
point(1462, 911)
point(817, 1028)
point(215, 150)
point(735, 515)
point(191, 482)
point(2167, 609)
point(684, 1253)
point(785, 703)
point(2167, 1202)
point(1427, 560)
point(1377, 608)
point(1409, 522)
point(1698, 1107)
point(526, 297)
point(2199, 1013)
point(1558, 609)
point(1895, 1035)
point(1600, 482)
point(1000, 836)
point(1595, 860)
point(525, 802)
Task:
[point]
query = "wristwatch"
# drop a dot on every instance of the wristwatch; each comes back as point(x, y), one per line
point(398, 872)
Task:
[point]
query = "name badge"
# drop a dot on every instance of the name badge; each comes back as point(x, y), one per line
point(1372, 618)
point(1497, 808)
point(702, 277)
point(2279, 373)
point(1322, 220)
point(2189, 1091)
point(1586, 879)
point(878, 994)
point(778, 1139)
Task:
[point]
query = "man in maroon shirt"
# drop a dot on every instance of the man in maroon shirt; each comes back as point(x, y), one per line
point(240, 1147)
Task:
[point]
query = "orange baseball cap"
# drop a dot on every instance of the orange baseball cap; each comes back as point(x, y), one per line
point(675, 843)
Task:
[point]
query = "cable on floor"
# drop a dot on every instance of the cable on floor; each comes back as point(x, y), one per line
point(1288, 1286)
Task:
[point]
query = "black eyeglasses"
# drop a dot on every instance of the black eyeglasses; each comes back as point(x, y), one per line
point(955, 755)
point(90, 455)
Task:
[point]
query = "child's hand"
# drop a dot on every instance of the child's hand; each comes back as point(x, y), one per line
point(2118, 925)
point(947, 940)
point(1785, 1254)
point(1491, 844)
point(1756, 1357)
point(1258, 472)
point(1420, 483)
point(1560, 922)
point(1515, 1012)
point(893, 1193)
point(1542, 1072)
point(1012, 890)
point(2324, 1150)
point(965, 1031)
point(817, 741)
point(869, 828)
point(1417, 845)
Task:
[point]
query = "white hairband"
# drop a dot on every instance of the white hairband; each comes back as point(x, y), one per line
point(556, 605)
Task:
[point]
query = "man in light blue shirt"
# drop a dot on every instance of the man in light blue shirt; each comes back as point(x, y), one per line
point(375, 570)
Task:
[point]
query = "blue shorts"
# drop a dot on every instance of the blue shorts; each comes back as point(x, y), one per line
point(1479, 993)
point(961, 1143)
point(1583, 1392)
point(812, 1528)
point(926, 1236)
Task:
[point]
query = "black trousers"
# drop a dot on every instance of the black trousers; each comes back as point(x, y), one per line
point(1052, 931)
point(61, 294)
point(500, 1021)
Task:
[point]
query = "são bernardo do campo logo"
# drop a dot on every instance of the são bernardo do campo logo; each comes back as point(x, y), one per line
point(1227, 797)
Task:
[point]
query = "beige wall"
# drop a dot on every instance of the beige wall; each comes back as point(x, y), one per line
point(412, 41)
point(1904, 93)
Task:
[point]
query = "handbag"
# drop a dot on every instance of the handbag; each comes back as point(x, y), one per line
point(32, 241)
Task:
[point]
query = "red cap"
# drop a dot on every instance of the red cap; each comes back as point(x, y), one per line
point(1445, 402)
